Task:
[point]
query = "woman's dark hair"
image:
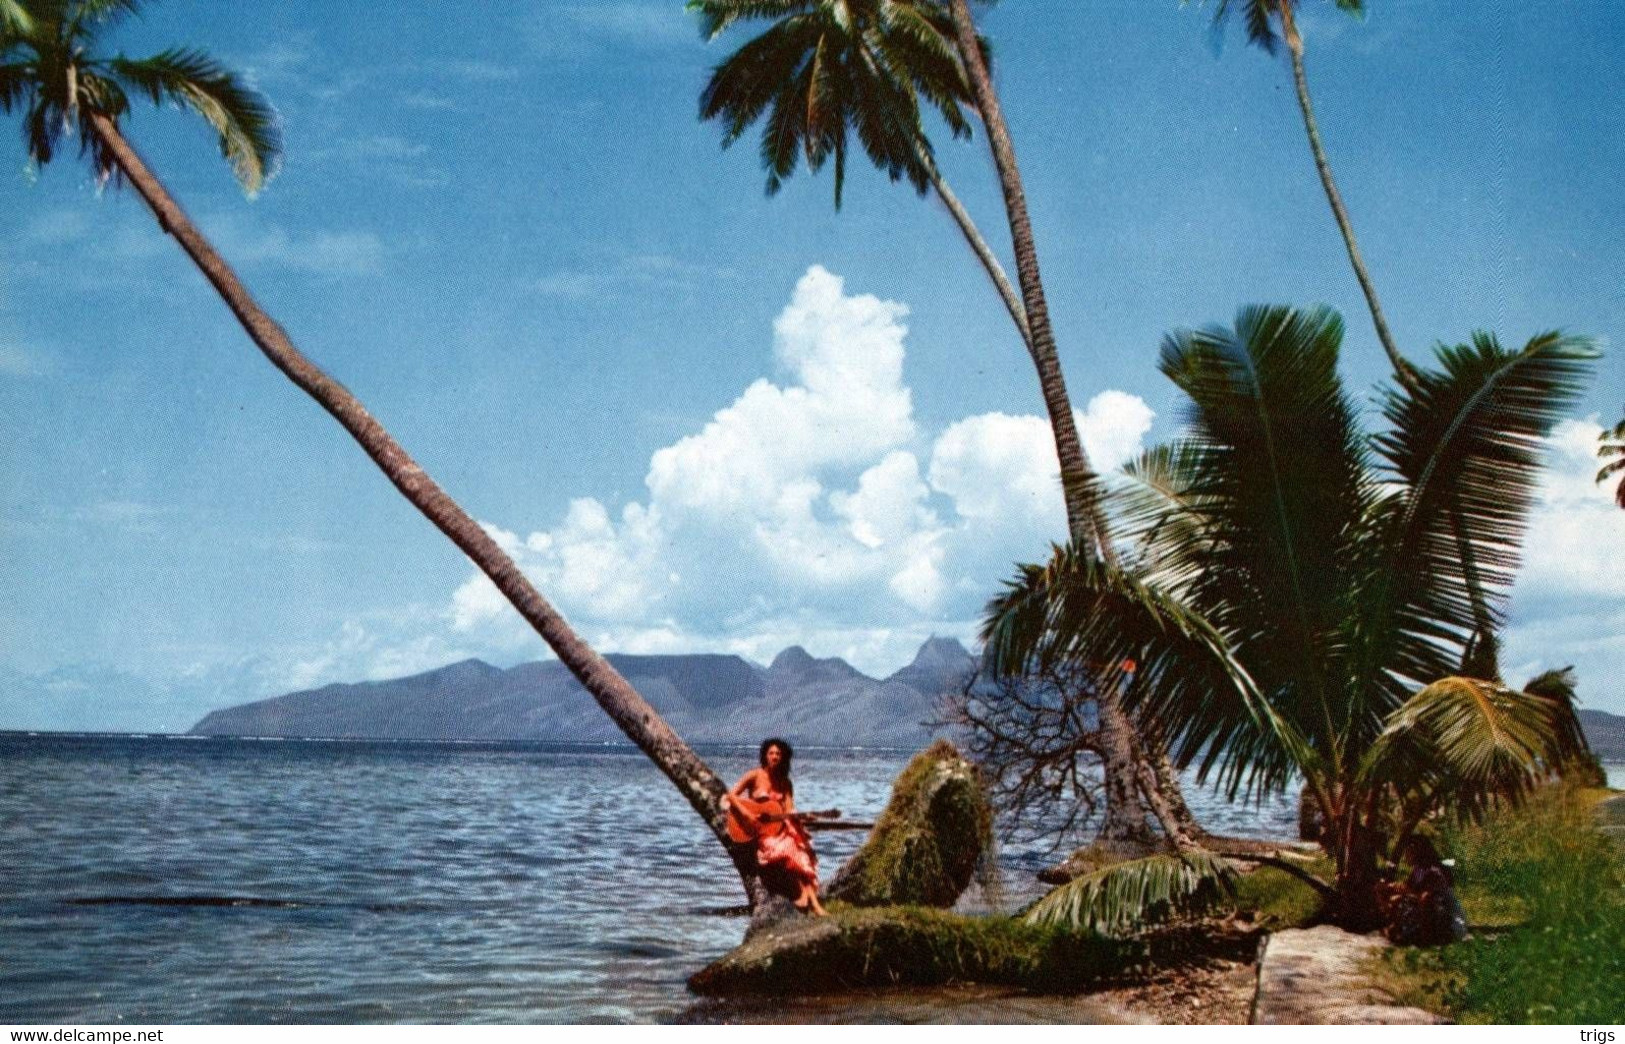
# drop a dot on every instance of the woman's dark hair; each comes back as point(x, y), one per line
point(1420, 852)
point(780, 775)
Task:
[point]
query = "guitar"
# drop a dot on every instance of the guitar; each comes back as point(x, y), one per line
point(768, 816)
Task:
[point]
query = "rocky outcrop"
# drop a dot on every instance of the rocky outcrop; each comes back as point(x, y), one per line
point(1318, 976)
point(928, 843)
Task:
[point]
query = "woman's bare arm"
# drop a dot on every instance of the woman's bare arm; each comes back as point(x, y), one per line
point(742, 788)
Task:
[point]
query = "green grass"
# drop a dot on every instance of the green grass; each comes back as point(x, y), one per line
point(1275, 899)
point(1542, 890)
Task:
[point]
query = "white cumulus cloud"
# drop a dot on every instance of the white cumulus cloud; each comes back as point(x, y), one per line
point(810, 510)
point(1568, 607)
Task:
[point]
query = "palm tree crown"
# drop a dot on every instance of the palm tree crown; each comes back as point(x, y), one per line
point(825, 68)
point(50, 69)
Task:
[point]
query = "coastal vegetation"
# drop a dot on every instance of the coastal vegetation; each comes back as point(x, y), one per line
point(1306, 611)
point(935, 833)
point(1542, 889)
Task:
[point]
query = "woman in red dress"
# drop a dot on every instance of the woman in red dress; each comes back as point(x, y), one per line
point(782, 846)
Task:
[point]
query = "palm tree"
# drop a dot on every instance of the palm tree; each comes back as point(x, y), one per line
point(1086, 522)
point(825, 66)
point(51, 71)
point(1613, 445)
point(1297, 605)
point(1260, 17)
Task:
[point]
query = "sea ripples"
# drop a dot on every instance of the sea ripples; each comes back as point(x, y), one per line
point(153, 880)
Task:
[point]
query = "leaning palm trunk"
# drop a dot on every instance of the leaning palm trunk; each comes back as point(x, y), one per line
point(630, 712)
point(1294, 42)
point(978, 245)
point(1125, 812)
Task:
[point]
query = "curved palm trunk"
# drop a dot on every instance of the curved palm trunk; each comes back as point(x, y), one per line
point(630, 712)
point(978, 245)
point(1125, 813)
point(1294, 42)
point(1166, 784)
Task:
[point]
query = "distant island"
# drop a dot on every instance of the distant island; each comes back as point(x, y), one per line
point(707, 698)
point(1605, 732)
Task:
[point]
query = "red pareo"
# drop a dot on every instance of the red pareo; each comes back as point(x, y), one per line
point(790, 850)
point(785, 846)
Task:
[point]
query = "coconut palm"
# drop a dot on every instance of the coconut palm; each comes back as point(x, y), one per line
point(1298, 606)
point(824, 66)
point(1125, 757)
point(1613, 445)
point(1261, 17)
point(52, 71)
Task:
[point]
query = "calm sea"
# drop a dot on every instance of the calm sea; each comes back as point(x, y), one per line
point(174, 880)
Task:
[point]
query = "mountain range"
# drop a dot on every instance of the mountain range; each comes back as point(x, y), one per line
point(707, 698)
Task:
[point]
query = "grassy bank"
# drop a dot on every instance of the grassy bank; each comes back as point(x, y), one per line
point(1542, 891)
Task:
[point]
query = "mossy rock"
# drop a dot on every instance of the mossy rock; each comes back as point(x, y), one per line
point(908, 946)
point(927, 844)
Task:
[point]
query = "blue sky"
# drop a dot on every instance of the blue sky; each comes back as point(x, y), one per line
point(709, 420)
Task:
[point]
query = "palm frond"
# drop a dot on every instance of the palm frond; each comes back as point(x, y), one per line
point(1121, 899)
point(823, 67)
point(1558, 683)
point(1472, 741)
point(1189, 689)
point(93, 12)
point(716, 16)
point(99, 94)
point(1280, 470)
point(1613, 445)
point(249, 131)
point(15, 18)
point(16, 84)
point(1157, 508)
point(1466, 444)
point(743, 86)
point(1255, 16)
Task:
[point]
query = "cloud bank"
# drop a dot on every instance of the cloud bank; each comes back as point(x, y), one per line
point(812, 509)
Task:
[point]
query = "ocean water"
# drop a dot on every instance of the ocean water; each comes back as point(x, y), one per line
point(176, 880)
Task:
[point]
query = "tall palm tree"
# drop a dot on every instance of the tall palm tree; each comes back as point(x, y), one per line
point(51, 70)
point(1124, 756)
point(1261, 17)
point(1298, 606)
point(824, 66)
